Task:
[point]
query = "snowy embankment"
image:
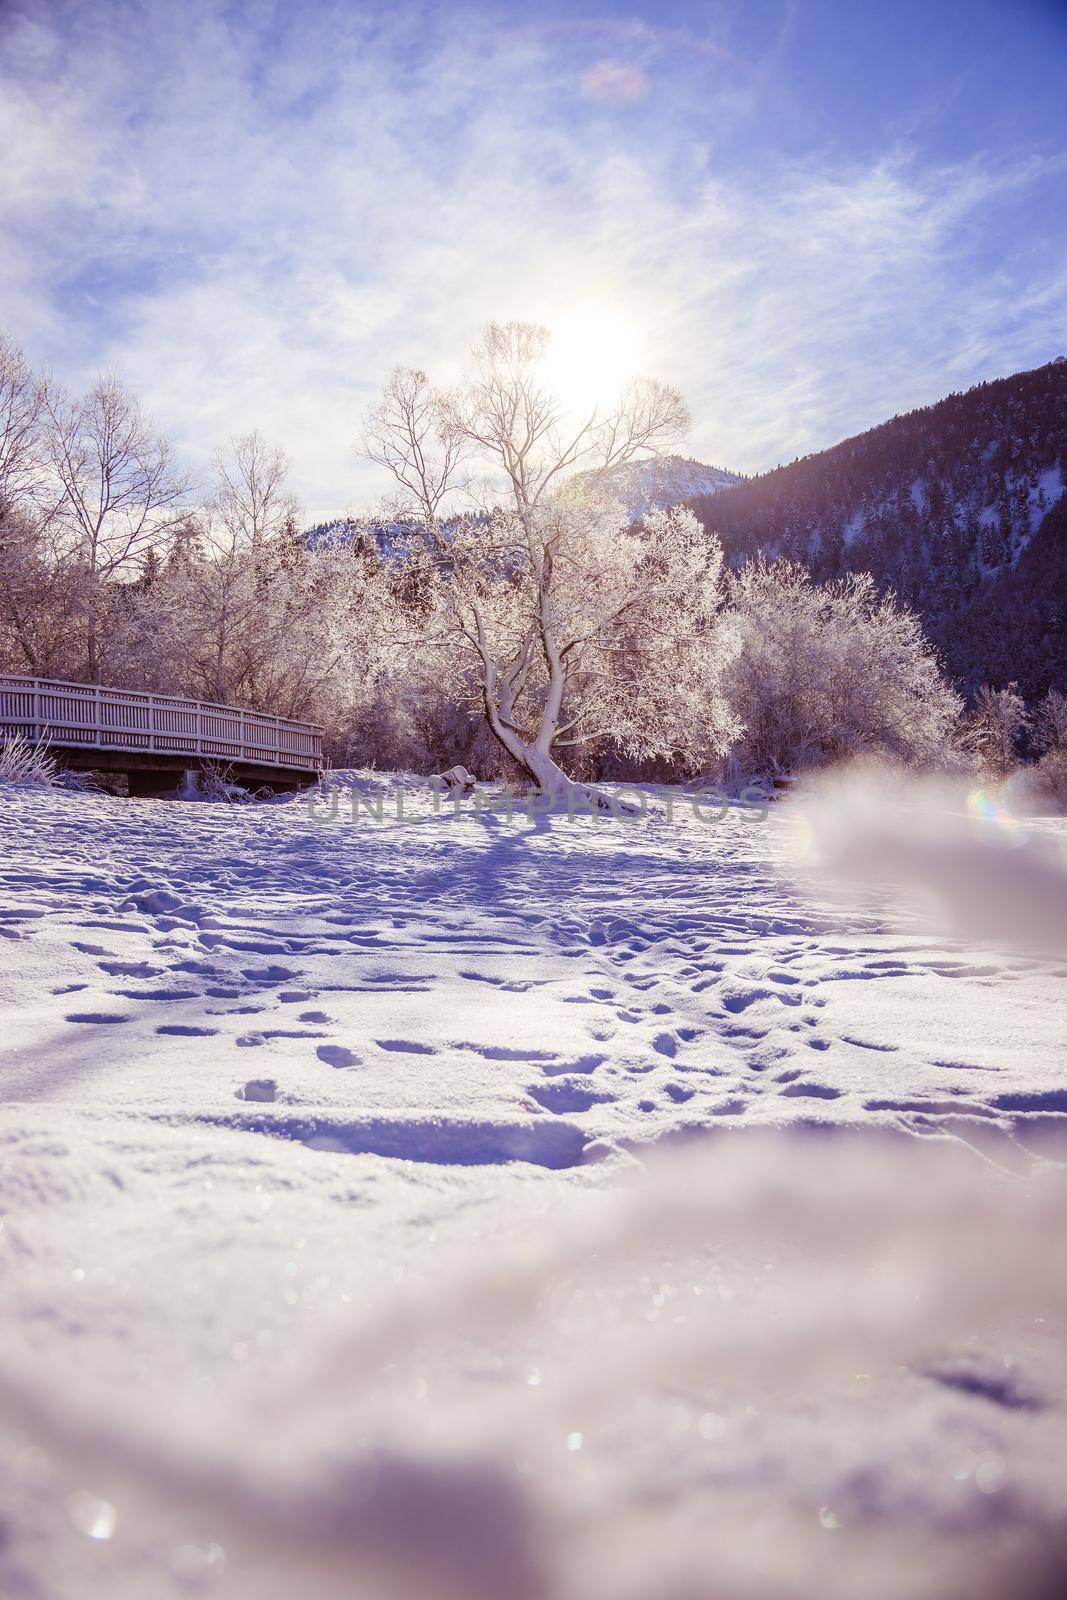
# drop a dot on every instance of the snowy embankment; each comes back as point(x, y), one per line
point(349, 1229)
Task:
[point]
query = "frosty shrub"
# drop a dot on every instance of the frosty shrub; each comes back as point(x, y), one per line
point(993, 729)
point(406, 719)
point(830, 672)
point(216, 782)
point(24, 763)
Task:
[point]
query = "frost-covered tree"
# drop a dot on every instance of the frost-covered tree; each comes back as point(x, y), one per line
point(827, 672)
point(226, 567)
point(264, 622)
point(43, 600)
point(995, 726)
point(567, 625)
point(1049, 735)
point(1050, 722)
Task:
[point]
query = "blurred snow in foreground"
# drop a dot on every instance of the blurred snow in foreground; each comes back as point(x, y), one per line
point(451, 1206)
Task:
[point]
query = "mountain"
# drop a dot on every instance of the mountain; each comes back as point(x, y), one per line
point(638, 485)
point(958, 507)
point(660, 481)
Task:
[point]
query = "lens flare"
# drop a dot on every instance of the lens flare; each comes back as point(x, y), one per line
point(614, 83)
point(986, 808)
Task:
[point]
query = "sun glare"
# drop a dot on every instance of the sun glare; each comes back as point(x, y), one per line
point(594, 350)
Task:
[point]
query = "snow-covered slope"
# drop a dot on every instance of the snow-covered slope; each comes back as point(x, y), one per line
point(661, 481)
point(331, 1255)
point(959, 508)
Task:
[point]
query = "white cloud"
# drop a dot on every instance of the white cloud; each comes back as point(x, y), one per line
point(256, 227)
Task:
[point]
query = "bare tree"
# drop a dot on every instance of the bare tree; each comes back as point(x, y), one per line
point(23, 407)
point(251, 498)
point(410, 433)
point(118, 490)
point(574, 627)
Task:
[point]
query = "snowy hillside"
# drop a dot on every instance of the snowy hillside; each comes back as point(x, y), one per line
point(660, 481)
point(348, 1230)
point(958, 507)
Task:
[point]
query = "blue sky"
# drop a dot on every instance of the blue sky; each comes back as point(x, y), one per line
point(810, 215)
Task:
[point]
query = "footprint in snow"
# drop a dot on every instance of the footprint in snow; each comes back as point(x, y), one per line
point(555, 1069)
point(156, 994)
point(501, 1052)
point(740, 999)
point(811, 1091)
point(562, 1097)
point(264, 1089)
point(337, 1055)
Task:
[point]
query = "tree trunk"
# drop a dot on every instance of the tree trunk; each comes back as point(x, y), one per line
point(545, 772)
point(533, 758)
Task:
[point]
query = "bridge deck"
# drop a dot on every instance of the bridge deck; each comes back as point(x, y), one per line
point(158, 729)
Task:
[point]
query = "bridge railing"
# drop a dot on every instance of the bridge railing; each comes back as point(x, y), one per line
point(84, 716)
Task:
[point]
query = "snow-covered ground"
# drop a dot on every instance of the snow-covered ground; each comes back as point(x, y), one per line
point(353, 1243)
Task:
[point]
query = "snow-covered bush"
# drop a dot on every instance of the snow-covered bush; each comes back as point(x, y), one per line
point(215, 781)
point(24, 763)
point(828, 672)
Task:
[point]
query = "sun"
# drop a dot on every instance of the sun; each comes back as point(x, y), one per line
point(594, 350)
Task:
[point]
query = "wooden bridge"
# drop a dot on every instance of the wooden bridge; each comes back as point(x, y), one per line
point(155, 738)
